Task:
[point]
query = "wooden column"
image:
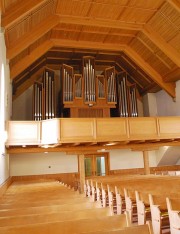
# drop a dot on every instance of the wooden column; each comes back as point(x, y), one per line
point(81, 172)
point(146, 162)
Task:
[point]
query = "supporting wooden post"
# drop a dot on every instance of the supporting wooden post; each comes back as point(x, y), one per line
point(81, 172)
point(146, 162)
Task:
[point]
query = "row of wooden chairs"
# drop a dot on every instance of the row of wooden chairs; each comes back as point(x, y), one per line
point(152, 197)
point(50, 207)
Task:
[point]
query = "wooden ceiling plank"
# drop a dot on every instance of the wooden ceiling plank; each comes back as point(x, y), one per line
point(162, 44)
point(175, 4)
point(95, 32)
point(148, 88)
point(28, 83)
point(138, 83)
point(88, 45)
point(173, 76)
point(28, 39)
point(2, 9)
point(19, 11)
point(100, 23)
point(168, 87)
point(28, 60)
point(154, 52)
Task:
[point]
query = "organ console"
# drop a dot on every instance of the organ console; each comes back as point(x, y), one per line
point(88, 94)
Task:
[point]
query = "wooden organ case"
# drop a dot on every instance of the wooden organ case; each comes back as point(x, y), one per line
point(44, 97)
point(88, 94)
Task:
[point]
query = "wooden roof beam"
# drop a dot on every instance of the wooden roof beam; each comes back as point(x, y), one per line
point(172, 76)
point(31, 58)
point(80, 148)
point(162, 44)
point(18, 11)
point(175, 4)
point(88, 45)
point(28, 83)
point(168, 87)
point(31, 37)
point(88, 21)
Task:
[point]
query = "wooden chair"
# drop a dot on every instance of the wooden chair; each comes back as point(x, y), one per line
point(173, 206)
point(159, 214)
point(143, 208)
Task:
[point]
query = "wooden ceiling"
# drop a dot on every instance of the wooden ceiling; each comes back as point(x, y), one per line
point(139, 36)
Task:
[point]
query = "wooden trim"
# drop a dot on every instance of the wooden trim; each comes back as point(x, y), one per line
point(5, 185)
point(140, 171)
point(68, 178)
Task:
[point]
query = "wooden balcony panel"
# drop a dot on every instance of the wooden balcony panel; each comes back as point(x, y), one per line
point(111, 129)
point(74, 130)
point(143, 128)
point(23, 132)
point(50, 131)
point(169, 127)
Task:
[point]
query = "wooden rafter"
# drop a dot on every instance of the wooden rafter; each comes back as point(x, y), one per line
point(173, 76)
point(175, 4)
point(168, 87)
point(35, 34)
point(82, 148)
point(100, 23)
point(162, 44)
point(28, 60)
point(87, 45)
point(2, 10)
point(28, 83)
point(18, 11)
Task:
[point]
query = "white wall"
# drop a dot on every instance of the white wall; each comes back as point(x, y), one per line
point(42, 163)
point(54, 163)
point(22, 106)
point(161, 104)
point(5, 108)
point(166, 106)
point(150, 104)
point(178, 163)
point(126, 159)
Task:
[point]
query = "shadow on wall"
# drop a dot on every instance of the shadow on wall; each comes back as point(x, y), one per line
point(169, 155)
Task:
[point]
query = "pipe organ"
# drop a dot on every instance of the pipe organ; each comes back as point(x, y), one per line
point(111, 84)
point(37, 101)
point(67, 77)
point(86, 93)
point(89, 94)
point(127, 101)
point(44, 97)
point(89, 80)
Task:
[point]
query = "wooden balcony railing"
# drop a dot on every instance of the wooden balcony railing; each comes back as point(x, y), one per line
point(81, 130)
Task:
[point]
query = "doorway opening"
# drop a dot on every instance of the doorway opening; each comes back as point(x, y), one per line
point(96, 164)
